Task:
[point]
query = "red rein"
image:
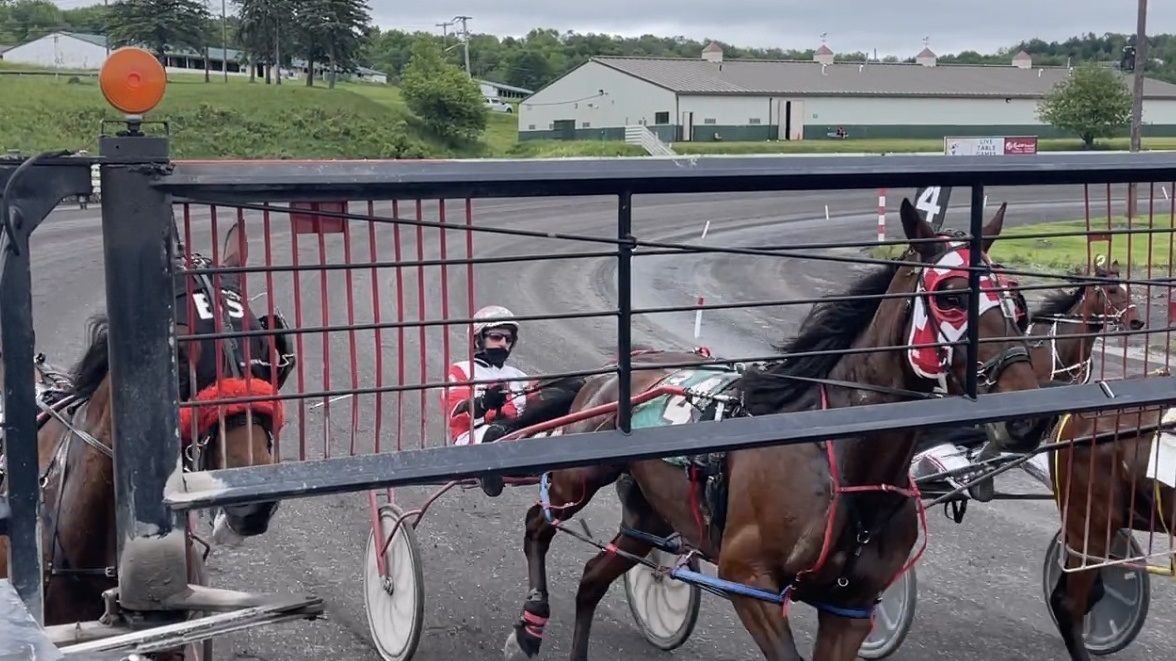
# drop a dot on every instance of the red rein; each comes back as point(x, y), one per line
point(210, 414)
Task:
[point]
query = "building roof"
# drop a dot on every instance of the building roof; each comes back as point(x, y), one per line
point(756, 77)
point(95, 39)
point(503, 86)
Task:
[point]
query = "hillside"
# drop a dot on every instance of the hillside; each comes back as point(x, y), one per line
point(237, 120)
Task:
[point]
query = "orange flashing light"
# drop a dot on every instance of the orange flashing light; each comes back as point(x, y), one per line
point(132, 80)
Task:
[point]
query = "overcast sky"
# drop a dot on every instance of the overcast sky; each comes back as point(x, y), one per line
point(894, 27)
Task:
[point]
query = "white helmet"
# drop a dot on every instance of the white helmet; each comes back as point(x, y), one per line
point(493, 316)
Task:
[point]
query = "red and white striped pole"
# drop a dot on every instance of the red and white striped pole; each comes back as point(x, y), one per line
point(881, 215)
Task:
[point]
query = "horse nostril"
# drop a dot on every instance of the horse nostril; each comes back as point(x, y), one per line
point(1136, 324)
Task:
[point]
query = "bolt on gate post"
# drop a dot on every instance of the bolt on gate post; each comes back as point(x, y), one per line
point(137, 236)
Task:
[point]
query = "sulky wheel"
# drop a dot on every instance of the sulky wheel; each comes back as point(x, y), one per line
point(396, 605)
point(665, 609)
point(892, 618)
point(1115, 620)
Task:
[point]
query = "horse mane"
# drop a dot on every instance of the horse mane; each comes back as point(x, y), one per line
point(831, 326)
point(1057, 303)
point(91, 369)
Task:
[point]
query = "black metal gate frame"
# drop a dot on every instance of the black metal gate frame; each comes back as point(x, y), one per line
point(140, 182)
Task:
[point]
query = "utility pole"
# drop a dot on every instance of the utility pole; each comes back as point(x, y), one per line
point(465, 38)
point(1137, 97)
point(444, 32)
point(224, 42)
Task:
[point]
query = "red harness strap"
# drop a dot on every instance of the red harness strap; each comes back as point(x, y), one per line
point(209, 414)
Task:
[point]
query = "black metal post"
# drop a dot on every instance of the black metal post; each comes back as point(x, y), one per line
point(31, 191)
point(974, 251)
point(625, 310)
point(139, 249)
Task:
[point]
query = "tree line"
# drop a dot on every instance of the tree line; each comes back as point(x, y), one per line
point(340, 33)
point(329, 33)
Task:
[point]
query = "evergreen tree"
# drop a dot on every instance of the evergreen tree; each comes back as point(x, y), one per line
point(159, 25)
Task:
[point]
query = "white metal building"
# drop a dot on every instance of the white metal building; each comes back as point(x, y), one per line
point(709, 99)
point(61, 50)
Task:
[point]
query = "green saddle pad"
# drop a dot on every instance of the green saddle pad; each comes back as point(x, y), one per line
point(667, 410)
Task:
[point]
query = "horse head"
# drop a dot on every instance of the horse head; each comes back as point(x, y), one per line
point(240, 361)
point(1110, 301)
point(939, 314)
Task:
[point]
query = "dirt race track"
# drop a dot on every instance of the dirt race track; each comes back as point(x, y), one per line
point(980, 581)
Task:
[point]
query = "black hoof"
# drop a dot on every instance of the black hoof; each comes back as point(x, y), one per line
point(492, 485)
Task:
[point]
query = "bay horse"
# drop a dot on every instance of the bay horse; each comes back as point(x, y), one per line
point(1102, 486)
point(1085, 310)
point(788, 524)
point(76, 447)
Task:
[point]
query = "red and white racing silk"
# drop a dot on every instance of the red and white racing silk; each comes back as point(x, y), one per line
point(952, 323)
point(459, 424)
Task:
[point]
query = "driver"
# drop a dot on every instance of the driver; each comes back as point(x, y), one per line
point(494, 335)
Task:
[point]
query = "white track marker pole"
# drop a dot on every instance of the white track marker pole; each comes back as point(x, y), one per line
point(985, 207)
point(698, 320)
point(826, 212)
point(1165, 191)
point(698, 312)
point(881, 215)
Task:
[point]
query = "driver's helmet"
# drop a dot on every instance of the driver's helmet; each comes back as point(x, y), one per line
point(493, 316)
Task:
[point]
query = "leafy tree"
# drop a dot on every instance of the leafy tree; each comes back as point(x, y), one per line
point(267, 34)
point(445, 99)
point(159, 25)
point(29, 19)
point(1093, 102)
point(332, 31)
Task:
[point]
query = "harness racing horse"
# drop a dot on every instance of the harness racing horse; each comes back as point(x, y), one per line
point(76, 447)
point(1104, 483)
point(1082, 311)
point(793, 522)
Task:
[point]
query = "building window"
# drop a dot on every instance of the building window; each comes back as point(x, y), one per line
point(661, 117)
point(530, 127)
point(709, 120)
point(754, 120)
point(585, 125)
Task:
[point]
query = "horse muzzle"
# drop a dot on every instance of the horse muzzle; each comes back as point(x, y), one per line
point(234, 523)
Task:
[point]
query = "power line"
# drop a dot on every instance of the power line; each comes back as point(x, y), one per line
point(465, 38)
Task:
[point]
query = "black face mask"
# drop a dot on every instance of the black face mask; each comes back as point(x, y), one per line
point(495, 356)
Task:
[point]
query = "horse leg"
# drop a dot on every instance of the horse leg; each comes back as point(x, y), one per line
point(569, 492)
point(1072, 598)
point(839, 638)
point(768, 627)
point(608, 566)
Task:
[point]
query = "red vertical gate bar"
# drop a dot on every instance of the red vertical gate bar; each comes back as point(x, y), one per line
point(296, 282)
point(242, 241)
point(1171, 294)
point(402, 360)
point(349, 280)
point(420, 241)
point(442, 234)
point(470, 308)
point(1151, 226)
point(215, 307)
point(190, 302)
point(377, 318)
point(325, 308)
point(271, 310)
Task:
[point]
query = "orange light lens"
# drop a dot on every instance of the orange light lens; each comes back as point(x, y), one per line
point(132, 80)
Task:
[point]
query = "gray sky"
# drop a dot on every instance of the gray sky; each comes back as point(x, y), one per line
point(894, 27)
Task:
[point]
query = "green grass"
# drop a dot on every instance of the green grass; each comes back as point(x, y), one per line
point(1067, 251)
point(356, 120)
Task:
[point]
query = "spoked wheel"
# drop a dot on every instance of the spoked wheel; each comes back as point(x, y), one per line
point(395, 605)
point(1114, 622)
point(665, 609)
point(892, 618)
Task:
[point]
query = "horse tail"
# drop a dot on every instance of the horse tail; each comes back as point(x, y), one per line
point(89, 372)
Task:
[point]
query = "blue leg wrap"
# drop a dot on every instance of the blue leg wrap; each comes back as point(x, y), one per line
point(545, 496)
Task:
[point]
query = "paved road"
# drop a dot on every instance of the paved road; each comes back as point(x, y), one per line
point(980, 581)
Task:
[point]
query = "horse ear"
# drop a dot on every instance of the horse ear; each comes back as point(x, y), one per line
point(916, 228)
point(992, 229)
point(236, 252)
